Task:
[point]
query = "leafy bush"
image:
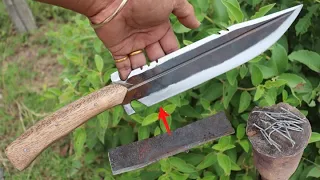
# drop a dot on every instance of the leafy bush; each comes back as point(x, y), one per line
point(287, 72)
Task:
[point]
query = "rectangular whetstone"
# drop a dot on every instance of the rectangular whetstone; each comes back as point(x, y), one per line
point(142, 153)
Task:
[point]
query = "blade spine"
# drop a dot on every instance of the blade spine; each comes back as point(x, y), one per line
point(205, 53)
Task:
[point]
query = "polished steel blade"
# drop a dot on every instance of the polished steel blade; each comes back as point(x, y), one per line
point(205, 59)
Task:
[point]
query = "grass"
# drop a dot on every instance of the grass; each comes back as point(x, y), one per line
point(27, 68)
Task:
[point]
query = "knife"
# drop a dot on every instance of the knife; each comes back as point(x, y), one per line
point(170, 75)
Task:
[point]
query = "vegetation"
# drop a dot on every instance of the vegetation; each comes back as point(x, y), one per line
point(288, 72)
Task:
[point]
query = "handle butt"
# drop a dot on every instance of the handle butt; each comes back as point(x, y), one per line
point(31, 143)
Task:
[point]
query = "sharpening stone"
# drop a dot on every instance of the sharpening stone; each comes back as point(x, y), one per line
point(145, 152)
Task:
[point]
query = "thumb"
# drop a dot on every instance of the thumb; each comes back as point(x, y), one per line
point(185, 14)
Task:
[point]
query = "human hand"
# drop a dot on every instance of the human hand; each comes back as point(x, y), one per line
point(142, 25)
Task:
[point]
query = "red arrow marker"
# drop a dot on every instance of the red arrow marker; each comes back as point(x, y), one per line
point(163, 116)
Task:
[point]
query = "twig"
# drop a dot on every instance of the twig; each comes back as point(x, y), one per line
point(32, 112)
point(3, 161)
point(20, 116)
point(30, 169)
point(311, 162)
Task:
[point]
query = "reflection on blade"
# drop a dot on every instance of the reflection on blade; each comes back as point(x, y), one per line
point(206, 59)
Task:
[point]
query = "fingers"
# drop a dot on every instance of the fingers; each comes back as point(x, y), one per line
point(154, 51)
point(185, 14)
point(138, 60)
point(169, 42)
point(124, 67)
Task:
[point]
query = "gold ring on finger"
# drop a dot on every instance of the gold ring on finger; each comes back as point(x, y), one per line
point(135, 52)
point(121, 60)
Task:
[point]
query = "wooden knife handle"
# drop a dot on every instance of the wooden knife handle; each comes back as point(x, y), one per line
point(31, 143)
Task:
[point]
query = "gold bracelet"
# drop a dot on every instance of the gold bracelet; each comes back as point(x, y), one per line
point(95, 26)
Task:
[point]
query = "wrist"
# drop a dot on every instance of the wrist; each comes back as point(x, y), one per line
point(100, 12)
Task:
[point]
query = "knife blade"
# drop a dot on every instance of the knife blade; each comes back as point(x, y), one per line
point(171, 75)
point(205, 59)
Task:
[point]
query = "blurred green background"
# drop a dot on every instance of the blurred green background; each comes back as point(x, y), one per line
point(61, 61)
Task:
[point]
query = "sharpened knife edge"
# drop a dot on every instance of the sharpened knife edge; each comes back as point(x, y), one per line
point(115, 154)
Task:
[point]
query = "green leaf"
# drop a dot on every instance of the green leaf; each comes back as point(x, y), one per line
point(314, 172)
point(107, 74)
point(268, 72)
point(232, 75)
point(76, 59)
point(234, 10)
point(220, 12)
point(235, 166)
point(157, 131)
point(80, 137)
point(175, 100)
point(280, 58)
point(100, 132)
point(186, 42)
point(254, 3)
point(127, 135)
point(256, 59)
point(163, 177)
point(222, 148)
point(181, 165)
point(103, 119)
point(99, 62)
point(198, 13)
point(150, 119)
point(245, 145)
point(213, 31)
point(178, 175)
point(225, 163)
point(308, 58)
point(224, 177)
point(211, 177)
point(204, 5)
point(137, 118)
point(275, 84)
point(170, 108)
point(259, 93)
point(271, 96)
point(245, 100)
point(225, 140)
point(304, 23)
point(117, 115)
point(315, 137)
point(165, 165)
point(97, 45)
point(228, 93)
point(241, 131)
point(292, 80)
point(263, 11)
point(208, 161)
point(256, 75)
point(205, 103)
point(143, 132)
point(284, 95)
point(189, 111)
point(179, 28)
point(210, 95)
point(94, 79)
point(243, 71)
